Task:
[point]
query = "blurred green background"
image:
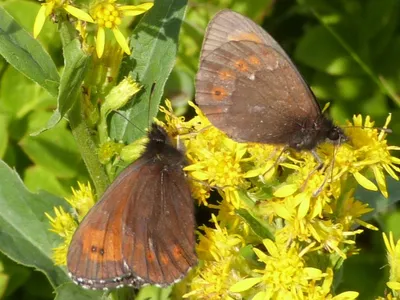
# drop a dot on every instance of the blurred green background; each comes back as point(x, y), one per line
point(347, 50)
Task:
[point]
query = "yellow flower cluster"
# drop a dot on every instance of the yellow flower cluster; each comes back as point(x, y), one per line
point(278, 203)
point(105, 14)
point(283, 226)
point(64, 223)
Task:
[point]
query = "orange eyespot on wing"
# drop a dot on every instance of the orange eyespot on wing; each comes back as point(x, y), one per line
point(218, 93)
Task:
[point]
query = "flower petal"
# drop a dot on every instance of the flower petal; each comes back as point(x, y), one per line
point(78, 13)
point(365, 182)
point(134, 10)
point(390, 171)
point(100, 41)
point(349, 295)
point(121, 41)
point(244, 284)
point(393, 285)
point(260, 296)
point(286, 190)
point(271, 247)
point(380, 179)
point(303, 208)
point(39, 21)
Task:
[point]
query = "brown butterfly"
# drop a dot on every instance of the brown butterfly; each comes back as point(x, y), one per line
point(142, 230)
point(249, 88)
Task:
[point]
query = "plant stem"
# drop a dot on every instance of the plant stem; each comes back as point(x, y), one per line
point(88, 148)
point(80, 129)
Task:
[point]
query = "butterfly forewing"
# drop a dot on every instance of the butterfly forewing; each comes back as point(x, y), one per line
point(243, 72)
point(142, 229)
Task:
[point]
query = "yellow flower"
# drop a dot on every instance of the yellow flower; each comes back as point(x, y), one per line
point(82, 200)
point(285, 275)
point(219, 251)
point(393, 255)
point(214, 159)
point(349, 211)
point(64, 224)
point(371, 150)
point(50, 6)
point(282, 226)
point(107, 14)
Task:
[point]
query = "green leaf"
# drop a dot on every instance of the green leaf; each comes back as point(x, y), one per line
point(4, 120)
point(70, 290)
point(346, 88)
point(378, 15)
point(76, 65)
point(20, 96)
point(55, 151)
point(26, 54)
point(155, 45)
point(259, 227)
point(37, 178)
point(154, 293)
point(24, 228)
point(12, 277)
point(320, 50)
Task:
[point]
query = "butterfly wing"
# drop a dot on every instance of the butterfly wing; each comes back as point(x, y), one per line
point(246, 80)
point(116, 243)
point(163, 249)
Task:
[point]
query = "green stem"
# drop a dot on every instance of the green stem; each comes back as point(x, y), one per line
point(88, 148)
point(80, 129)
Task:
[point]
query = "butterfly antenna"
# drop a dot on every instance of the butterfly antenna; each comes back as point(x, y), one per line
point(151, 96)
point(129, 121)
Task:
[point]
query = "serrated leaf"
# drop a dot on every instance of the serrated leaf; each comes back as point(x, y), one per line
point(26, 54)
point(154, 45)
point(24, 228)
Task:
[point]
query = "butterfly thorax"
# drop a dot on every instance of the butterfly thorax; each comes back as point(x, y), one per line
point(160, 149)
point(320, 130)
